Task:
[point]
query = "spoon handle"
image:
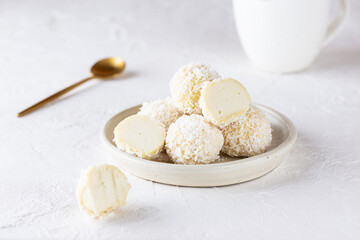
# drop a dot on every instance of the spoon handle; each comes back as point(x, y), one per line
point(52, 97)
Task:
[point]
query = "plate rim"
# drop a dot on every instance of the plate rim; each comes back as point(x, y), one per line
point(288, 142)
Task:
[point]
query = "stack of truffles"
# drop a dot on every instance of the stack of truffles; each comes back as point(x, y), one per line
point(205, 115)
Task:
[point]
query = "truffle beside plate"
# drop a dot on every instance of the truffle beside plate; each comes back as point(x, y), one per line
point(224, 172)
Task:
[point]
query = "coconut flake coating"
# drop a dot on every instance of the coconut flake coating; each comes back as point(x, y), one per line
point(164, 111)
point(192, 140)
point(248, 136)
point(186, 85)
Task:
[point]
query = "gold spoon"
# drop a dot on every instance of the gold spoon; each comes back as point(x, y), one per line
point(104, 69)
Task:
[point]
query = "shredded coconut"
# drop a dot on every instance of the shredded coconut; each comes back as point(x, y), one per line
point(164, 111)
point(126, 148)
point(192, 140)
point(248, 136)
point(185, 86)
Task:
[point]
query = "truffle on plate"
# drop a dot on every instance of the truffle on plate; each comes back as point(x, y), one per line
point(185, 86)
point(192, 140)
point(163, 111)
point(140, 136)
point(224, 101)
point(248, 136)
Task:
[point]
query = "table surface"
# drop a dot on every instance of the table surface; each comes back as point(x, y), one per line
point(47, 45)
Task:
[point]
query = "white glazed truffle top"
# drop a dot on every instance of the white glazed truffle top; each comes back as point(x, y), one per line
point(186, 85)
point(192, 140)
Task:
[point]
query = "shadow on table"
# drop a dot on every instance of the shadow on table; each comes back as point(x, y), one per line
point(296, 168)
point(87, 86)
point(125, 76)
point(132, 213)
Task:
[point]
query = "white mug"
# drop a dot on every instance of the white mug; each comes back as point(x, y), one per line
point(284, 36)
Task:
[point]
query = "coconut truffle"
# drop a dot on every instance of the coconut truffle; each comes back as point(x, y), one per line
point(248, 136)
point(192, 140)
point(164, 111)
point(101, 190)
point(140, 136)
point(185, 86)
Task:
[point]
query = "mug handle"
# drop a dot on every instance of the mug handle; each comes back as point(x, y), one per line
point(338, 22)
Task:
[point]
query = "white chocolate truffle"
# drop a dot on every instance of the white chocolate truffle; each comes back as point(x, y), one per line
point(101, 190)
point(192, 140)
point(248, 136)
point(140, 136)
point(164, 111)
point(224, 101)
point(185, 86)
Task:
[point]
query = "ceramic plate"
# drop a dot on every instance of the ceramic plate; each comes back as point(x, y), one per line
point(226, 171)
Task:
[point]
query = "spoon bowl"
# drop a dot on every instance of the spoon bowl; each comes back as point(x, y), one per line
point(108, 67)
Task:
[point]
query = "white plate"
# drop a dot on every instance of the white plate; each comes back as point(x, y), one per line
point(225, 172)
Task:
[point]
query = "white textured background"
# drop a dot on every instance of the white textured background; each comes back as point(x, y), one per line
point(47, 45)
